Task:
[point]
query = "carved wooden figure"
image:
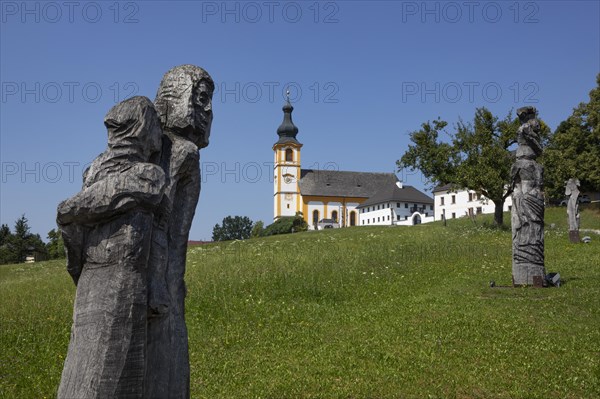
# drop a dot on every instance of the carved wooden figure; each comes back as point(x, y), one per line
point(528, 204)
point(126, 237)
point(107, 231)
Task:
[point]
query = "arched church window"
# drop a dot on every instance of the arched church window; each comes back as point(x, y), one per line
point(315, 217)
point(289, 155)
point(334, 216)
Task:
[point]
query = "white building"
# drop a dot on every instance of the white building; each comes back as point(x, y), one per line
point(397, 204)
point(459, 203)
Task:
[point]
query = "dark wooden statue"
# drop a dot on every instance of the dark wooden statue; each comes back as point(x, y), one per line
point(528, 204)
point(126, 238)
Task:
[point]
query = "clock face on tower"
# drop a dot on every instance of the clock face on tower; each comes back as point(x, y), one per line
point(288, 179)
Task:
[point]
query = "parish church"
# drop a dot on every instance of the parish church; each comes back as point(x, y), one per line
point(331, 198)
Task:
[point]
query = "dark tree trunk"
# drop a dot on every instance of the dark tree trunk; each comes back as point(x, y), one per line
point(498, 212)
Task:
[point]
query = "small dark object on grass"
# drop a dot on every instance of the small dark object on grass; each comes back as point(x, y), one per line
point(587, 239)
point(553, 279)
point(492, 283)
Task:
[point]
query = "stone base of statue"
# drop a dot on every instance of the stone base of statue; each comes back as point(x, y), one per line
point(574, 236)
point(531, 277)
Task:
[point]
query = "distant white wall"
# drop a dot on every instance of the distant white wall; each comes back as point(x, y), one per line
point(461, 203)
point(392, 213)
point(411, 221)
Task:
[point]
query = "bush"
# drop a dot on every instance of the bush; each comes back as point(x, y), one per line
point(286, 225)
point(258, 230)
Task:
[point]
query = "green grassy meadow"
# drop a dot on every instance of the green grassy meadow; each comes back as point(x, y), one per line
point(366, 312)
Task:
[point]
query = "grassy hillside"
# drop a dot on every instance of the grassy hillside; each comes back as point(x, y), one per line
point(368, 312)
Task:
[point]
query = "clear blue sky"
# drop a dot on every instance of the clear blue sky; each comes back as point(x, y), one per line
point(363, 75)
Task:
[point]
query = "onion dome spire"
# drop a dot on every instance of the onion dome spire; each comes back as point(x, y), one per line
point(287, 131)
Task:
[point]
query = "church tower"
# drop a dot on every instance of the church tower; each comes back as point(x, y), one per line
point(287, 199)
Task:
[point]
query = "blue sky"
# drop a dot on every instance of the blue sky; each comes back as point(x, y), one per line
point(362, 76)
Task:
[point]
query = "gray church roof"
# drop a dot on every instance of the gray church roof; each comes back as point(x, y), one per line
point(443, 187)
point(393, 193)
point(334, 183)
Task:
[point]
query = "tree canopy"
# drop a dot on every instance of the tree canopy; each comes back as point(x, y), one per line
point(233, 228)
point(574, 149)
point(55, 245)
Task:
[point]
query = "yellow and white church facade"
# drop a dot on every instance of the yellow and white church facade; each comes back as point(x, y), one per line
point(331, 198)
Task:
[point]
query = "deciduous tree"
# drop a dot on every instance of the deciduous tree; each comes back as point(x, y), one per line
point(574, 149)
point(55, 245)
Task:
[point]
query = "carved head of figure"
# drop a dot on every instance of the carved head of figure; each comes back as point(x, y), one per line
point(526, 114)
point(134, 135)
point(572, 186)
point(134, 128)
point(528, 134)
point(184, 103)
point(528, 119)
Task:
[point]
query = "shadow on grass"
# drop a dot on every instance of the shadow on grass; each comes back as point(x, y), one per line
point(567, 280)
